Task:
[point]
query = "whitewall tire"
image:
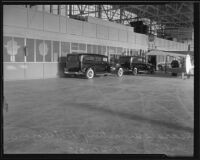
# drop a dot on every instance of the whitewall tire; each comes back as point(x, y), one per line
point(89, 73)
point(135, 71)
point(120, 72)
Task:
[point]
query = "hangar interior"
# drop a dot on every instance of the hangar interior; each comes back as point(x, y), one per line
point(37, 37)
point(47, 112)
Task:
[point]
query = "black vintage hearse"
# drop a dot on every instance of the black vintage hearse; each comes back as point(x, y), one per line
point(135, 64)
point(90, 64)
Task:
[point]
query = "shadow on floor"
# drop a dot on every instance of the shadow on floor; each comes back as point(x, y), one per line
point(132, 116)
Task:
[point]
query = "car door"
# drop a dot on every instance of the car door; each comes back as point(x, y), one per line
point(99, 64)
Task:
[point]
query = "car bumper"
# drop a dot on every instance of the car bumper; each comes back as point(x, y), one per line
point(70, 72)
point(78, 73)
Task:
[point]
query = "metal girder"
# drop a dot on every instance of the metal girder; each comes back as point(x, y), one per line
point(178, 12)
point(177, 20)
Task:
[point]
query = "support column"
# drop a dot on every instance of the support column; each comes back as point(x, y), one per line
point(66, 10)
point(59, 9)
point(121, 14)
point(70, 10)
point(99, 11)
point(51, 9)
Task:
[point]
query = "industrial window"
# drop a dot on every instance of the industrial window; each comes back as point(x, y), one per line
point(99, 50)
point(18, 49)
point(127, 52)
point(63, 10)
point(89, 48)
point(65, 48)
point(47, 50)
point(95, 49)
point(55, 50)
point(55, 9)
point(74, 46)
point(104, 50)
point(119, 50)
point(112, 50)
point(82, 47)
point(30, 50)
point(7, 49)
point(39, 50)
point(47, 8)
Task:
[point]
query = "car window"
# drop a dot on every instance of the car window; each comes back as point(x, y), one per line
point(124, 59)
point(98, 59)
point(88, 58)
point(105, 59)
point(72, 58)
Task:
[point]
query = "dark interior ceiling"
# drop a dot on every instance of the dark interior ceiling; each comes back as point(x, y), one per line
point(170, 14)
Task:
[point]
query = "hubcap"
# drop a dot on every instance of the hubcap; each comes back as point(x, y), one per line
point(90, 73)
point(120, 72)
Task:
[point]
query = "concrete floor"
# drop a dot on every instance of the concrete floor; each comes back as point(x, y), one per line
point(140, 114)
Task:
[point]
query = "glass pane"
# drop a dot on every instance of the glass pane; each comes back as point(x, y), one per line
point(74, 46)
point(63, 10)
point(89, 48)
point(55, 51)
point(30, 50)
point(98, 59)
point(99, 50)
point(7, 49)
point(39, 50)
point(82, 47)
point(18, 49)
point(88, 58)
point(95, 49)
point(104, 50)
point(112, 50)
point(47, 8)
point(47, 51)
point(55, 9)
point(119, 50)
point(65, 48)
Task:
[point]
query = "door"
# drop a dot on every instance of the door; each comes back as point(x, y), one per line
point(100, 65)
point(152, 60)
point(73, 63)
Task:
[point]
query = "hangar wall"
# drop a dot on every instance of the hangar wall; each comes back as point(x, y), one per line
point(35, 42)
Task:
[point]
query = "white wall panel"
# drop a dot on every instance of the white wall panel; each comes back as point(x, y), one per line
point(63, 24)
point(102, 32)
point(36, 20)
point(131, 37)
point(113, 34)
point(89, 29)
point(51, 22)
point(15, 16)
point(109, 24)
point(123, 36)
point(74, 27)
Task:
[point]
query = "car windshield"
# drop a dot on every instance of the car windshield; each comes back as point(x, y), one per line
point(72, 58)
point(138, 60)
point(124, 59)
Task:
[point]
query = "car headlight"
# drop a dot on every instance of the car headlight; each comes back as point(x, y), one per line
point(112, 68)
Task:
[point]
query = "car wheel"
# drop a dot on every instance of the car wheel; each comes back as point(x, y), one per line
point(152, 71)
point(135, 71)
point(89, 73)
point(120, 72)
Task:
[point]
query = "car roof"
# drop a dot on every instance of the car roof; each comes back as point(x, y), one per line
point(131, 56)
point(91, 54)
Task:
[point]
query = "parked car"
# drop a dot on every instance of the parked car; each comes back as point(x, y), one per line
point(163, 65)
point(174, 66)
point(90, 64)
point(135, 64)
